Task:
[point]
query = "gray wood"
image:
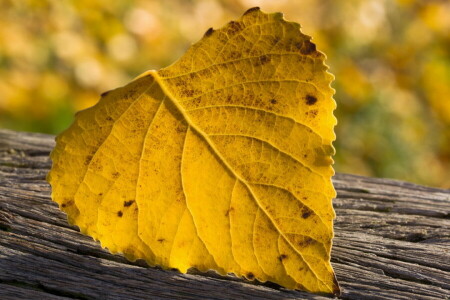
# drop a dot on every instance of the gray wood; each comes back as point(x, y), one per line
point(392, 242)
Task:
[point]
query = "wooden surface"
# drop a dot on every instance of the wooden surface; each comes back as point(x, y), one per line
point(392, 242)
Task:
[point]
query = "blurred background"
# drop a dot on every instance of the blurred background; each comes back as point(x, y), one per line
point(391, 59)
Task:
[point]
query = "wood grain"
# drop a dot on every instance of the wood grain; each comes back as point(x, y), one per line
point(392, 242)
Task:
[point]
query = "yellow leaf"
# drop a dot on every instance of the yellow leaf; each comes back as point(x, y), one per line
point(220, 161)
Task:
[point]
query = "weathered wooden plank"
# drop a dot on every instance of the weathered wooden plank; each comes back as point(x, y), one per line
point(15, 291)
point(392, 242)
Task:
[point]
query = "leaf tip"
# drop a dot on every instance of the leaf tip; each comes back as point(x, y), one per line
point(208, 32)
point(278, 16)
point(336, 288)
point(149, 73)
point(253, 9)
point(105, 93)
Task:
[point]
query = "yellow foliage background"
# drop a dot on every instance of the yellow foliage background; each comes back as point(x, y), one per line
point(391, 60)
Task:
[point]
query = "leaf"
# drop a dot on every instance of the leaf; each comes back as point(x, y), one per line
point(220, 161)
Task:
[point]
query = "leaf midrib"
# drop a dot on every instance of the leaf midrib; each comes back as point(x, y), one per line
point(182, 111)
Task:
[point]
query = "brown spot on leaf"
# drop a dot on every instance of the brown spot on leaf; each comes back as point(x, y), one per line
point(235, 55)
point(250, 275)
point(209, 32)
point(306, 214)
point(310, 99)
point(308, 48)
point(306, 242)
point(161, 240)
point(67, 203)
point(228, 211)
point(100, 194)
point(127, 203)
point(251, 10)
point(108, 118)
point(273, 101)
point(264, 59)
point(119, 213)
point(88, 159)
point(234, 27)
point(275, 41)
point(282, 256)
point(115, 175)
point(313, 113)
point(187, 93)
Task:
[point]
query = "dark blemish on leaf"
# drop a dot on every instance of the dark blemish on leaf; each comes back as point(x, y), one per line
point(251, 10)
point(301, 269)
point(306, 214)
point(250, 275)
point(282, 256)
point(275, 41)
point(105, 93)
point(264, 59)
point(306, 242)
point(100, 194)
point(127, 203)
point(228, 211)
point(298, 45)
point(308, 48)
point(180, 129)
point(96, 165)
point(115, 175)
point(234, 27)
point(209, 32)
point(109, 118)
point(67, 203)
point(188, 93)
point(310, 100)
point(235, 55)
point(305, 156)
point(313, 113)
point(119, 213)
point(273, 101)
point(161, 240)
point(88, 160)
